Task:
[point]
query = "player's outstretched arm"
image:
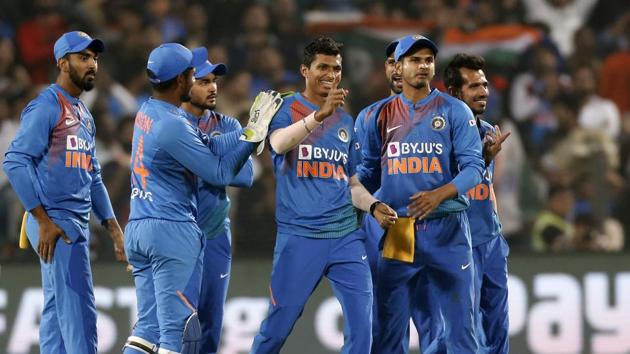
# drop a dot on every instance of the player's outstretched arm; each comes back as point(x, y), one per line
point(363, 200)
point(181, 141)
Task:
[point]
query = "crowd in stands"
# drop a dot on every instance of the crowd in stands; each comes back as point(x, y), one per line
point(559, 73)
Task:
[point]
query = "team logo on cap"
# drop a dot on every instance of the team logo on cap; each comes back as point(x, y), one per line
point(215, 133)
point(82, 34)
point(343, 135)
point(417, 37)
point(438, 123)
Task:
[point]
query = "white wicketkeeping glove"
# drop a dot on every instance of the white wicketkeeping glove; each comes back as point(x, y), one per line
point(265, 106)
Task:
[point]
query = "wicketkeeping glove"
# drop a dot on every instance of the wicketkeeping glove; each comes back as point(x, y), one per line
point(265, 106)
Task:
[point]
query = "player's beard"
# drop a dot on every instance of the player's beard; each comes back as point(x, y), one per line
point(201, 104)
point(84, 83)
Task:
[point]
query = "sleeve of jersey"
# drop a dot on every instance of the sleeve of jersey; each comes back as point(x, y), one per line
point(369, 171)
point(467, 149)
point(183, 144)
point(101, 204)
point(224, 143)
point(245, 177)
point(29, 145)
point(354, 155)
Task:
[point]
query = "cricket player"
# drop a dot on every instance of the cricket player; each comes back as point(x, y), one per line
point(465, 79)
point(163, 242)
point(425, 147)
point(52, 166)
point(213, 204)
point(315, 153)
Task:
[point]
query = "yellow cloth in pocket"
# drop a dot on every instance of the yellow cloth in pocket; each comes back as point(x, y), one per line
point(23, 239)
point(400, 241)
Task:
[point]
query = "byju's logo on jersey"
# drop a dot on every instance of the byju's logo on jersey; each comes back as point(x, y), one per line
point(343, 135)
point(438, 123)
point(305, 152)
point(72, 143)
point(393, 149)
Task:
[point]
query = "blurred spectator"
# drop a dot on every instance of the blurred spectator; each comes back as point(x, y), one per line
point(585, 53)
point(235, 94)
point(254, 35)
point(614, 82)
point(14, 79)
point(508, 170)
point(595, 112)
point(36, 38)
point(172, 29)
point(587, 237)
point(532, 93)
point(553, 231)
point(563, 17)
point(196, 25)
point(270, 71)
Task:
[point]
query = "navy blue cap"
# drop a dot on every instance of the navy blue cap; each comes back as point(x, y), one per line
point(171, 59)
point(206, 67)
point(405, 43)
point(76, 41)
point(391, 47)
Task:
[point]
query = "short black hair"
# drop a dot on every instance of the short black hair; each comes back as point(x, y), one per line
point(166, 85)
point(321, 45)
point(452, 75)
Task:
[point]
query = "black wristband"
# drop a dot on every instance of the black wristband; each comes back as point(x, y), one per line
point(373, 206)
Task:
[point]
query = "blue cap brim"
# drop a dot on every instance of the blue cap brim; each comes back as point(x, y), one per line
point(198, 57)
point(391, 48)
point(409, 42)
point(206, 68)
point(95, 44)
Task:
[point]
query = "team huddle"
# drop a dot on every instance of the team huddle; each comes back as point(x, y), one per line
point(396, 207)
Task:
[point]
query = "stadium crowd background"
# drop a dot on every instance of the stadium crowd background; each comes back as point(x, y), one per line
point(559, 72)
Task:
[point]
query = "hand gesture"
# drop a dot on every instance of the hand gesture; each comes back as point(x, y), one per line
point(492, 144)
point(423, 203)
point(384, 215)
point(335, 99)
point(49, 233)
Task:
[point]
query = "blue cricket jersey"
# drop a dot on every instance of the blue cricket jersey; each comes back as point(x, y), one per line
point(312, 181)
point(213, 204)
point(371, 183)
point(421, 147)
point(482, 213)
point(168, 154)
point(52, 159)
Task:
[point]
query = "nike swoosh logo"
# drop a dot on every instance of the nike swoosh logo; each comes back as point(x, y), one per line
point(223, 275)
point(363, 257)
point(465, 266)
point(393, 128)
point(69, 121)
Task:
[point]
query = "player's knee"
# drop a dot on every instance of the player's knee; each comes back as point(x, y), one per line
point(137, 345)
point(192, 336)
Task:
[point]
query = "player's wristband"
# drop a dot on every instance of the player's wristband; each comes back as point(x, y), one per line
point(373, 207)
